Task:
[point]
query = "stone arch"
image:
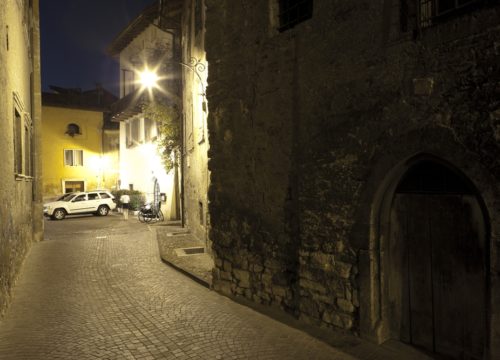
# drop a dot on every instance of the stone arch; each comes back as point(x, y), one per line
point(376, 224)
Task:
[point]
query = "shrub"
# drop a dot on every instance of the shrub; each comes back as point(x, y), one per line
point(137, 198)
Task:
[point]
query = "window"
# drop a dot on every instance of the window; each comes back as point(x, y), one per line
point(73, 129)
point(104, 196)
point(73, 186)
point(201, 213)
point(23, 140)
point(293, 12)
point(135, 130)
point(132, 129)
point(73, 157)
point(128, 82)
point(149, 130)
point(27, 148)
point(128, 134)
point(18, 143)
point(433, 10)
point(93, 196)
point(198, 16)
point(82, 197)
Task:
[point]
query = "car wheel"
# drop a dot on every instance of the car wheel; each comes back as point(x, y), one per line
point(103, 210)
point(59, 214)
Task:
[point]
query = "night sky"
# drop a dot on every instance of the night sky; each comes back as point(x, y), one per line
point(74, 37)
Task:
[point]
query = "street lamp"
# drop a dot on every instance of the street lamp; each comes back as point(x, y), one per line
point(148, 78)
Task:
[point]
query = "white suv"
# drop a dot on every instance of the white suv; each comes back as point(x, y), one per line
point(98, 202)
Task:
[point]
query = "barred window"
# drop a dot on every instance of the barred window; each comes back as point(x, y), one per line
point(293, 12)
point(432, 10)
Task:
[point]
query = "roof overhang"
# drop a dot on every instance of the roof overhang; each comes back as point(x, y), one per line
point(168, 14)
point(129, 106)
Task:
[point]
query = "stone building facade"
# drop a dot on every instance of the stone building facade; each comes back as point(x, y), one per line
point(21, 214)
point(355, 165)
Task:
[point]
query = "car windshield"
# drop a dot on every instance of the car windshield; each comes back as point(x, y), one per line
point(66, 197)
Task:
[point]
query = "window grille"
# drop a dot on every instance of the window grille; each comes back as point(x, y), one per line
point(432, 10)
point(293, 12)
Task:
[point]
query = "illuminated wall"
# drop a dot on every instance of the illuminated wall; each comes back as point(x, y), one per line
point(196, 142)
point(140, 161)
point(20, 199)
point(97, 170)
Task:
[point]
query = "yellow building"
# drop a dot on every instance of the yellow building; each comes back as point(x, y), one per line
point(80, 145)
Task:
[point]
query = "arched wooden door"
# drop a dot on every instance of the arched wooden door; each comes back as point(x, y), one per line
point(438, 247)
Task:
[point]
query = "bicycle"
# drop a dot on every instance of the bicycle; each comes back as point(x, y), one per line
point(148, 213)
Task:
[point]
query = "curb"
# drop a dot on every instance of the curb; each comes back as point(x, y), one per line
point(187, 273)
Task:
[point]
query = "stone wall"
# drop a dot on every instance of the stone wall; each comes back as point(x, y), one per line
point(20, 196)
point(305, 126)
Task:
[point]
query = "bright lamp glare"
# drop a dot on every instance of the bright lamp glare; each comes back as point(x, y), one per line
point(148, 79)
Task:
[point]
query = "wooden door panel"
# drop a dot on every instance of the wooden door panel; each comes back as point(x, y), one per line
point(446, 233)
point(419, 272)
point(397, 285)
point(441, 241)
point(474, 260)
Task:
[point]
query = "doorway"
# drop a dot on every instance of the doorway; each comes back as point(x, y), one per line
point(70, 186)
point(437, 259)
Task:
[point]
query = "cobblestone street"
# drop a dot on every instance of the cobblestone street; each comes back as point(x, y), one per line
point(97, 289)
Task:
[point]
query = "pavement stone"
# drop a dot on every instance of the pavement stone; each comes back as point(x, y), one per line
point(103, 292)
point(171, 240)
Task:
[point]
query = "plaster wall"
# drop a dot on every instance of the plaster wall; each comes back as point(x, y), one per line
point(111, 152)
point(140, 163)
point(196, 142)
point(55, 141)
point(306, 128)
point(149, 49)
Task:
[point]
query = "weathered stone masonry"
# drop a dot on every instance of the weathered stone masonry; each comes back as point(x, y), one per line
point(21, 213)
point(305, 127)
